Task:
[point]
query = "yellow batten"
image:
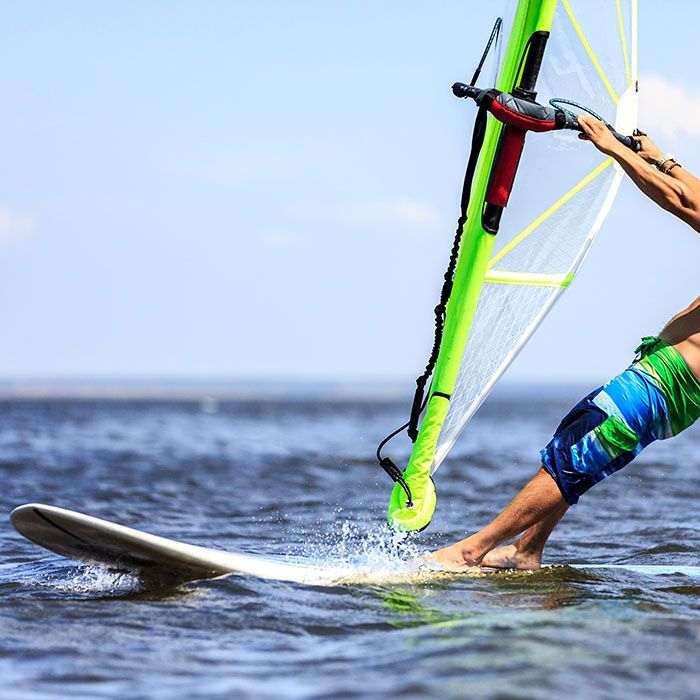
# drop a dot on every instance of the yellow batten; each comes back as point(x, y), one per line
point(624, 42)
point(556, 206)
point(529, 279)
point(589, 51)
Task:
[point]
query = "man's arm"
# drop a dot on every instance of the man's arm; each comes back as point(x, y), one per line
point(677, 191)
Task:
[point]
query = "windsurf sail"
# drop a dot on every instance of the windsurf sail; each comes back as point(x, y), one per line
point(532, 205)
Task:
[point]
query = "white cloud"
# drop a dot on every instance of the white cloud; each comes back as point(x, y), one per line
point(669, 110)
point(232, 165)
point(13, 224)
point(395, 210)
point(281, 240)
point(410, 214)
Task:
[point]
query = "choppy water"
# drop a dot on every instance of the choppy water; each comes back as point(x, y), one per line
point(281, 477)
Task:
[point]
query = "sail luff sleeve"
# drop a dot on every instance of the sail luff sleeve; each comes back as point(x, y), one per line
point(532, 17)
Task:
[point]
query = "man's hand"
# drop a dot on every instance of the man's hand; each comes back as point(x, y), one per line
point(649, 151)
point(677, 192)
point(598, 134)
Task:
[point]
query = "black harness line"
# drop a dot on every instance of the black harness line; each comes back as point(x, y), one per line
point(448, 278)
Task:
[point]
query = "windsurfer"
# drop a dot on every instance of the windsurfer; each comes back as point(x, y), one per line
point(657, 397)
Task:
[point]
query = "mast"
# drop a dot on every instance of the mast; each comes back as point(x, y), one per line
point(519, 73)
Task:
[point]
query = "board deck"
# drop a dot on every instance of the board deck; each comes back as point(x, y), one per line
point(158, 559)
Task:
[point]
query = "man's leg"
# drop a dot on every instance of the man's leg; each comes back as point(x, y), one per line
point(526, 552)
point(540, 500)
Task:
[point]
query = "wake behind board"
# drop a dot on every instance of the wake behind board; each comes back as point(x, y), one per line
point(158, 559)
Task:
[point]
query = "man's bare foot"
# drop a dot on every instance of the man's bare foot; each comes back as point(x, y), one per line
point(510, 557)
point(456, 557)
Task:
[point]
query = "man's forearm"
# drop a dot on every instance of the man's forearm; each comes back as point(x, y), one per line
point(676, 191)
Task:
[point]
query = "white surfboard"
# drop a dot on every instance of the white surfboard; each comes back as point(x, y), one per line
point(158, 559)
point(95, 541)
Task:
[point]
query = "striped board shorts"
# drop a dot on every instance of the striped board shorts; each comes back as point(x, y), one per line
point(605, 431)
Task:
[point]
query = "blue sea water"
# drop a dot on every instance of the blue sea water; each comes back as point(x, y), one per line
point(296, 476)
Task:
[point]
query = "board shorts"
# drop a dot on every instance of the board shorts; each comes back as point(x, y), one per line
point(654, 399)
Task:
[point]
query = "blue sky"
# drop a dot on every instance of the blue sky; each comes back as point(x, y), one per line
point(268, 190)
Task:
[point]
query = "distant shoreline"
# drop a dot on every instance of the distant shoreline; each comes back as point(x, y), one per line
point(240, 390)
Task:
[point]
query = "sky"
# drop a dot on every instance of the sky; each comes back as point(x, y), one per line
point(268, 190)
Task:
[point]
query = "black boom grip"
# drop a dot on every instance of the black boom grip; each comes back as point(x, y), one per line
point(628, 141)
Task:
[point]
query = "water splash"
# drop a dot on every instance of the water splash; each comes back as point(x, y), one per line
point(358, 549)
point(73, 580)
point(91, 580)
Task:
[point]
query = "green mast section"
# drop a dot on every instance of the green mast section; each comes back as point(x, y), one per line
point(475, 252)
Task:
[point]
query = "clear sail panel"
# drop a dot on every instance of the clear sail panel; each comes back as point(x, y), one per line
point(563, 191)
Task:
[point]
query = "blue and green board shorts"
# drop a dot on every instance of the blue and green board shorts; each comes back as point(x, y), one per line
point(607, 429)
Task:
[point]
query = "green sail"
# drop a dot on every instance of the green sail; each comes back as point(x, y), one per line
point(505, 284)
point(531, 16)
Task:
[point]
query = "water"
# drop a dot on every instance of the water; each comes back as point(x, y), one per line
point(286, 477)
